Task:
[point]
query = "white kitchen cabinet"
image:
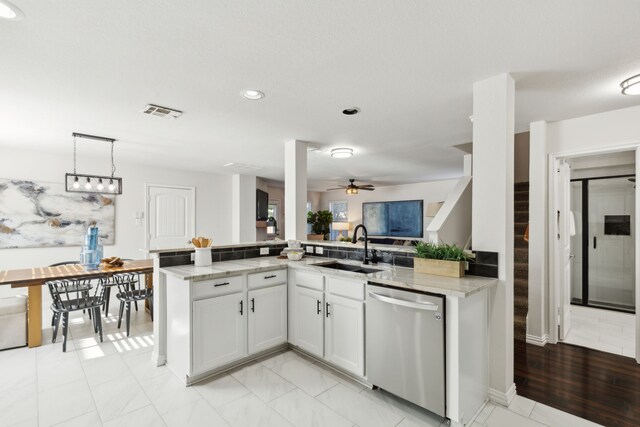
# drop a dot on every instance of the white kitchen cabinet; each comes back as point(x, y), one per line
point(267, 313)
point(309, 321)
point(219, 331)
point(344, 333)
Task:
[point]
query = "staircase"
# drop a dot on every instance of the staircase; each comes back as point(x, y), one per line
point(520, 261)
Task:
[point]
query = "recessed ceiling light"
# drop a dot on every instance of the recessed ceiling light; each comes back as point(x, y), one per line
point(9, 11)
point(341, 153)
point(253, 94)
point(631, 86)
point(351, 111)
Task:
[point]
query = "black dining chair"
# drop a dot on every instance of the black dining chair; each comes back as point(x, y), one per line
point(112, 283)
point(85, 285)
point(72, 295)
point(131, 289)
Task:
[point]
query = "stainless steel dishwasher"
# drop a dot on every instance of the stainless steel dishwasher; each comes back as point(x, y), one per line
point(405, 345)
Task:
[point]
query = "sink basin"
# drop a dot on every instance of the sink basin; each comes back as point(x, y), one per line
point(349, 267)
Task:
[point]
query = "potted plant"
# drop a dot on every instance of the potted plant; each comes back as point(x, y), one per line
point(440, 259)
point(320, 224)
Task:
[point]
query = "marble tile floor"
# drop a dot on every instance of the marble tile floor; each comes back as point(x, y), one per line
point(115, 384)
point(604, 330)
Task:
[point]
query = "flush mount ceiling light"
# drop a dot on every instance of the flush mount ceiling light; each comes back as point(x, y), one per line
point(9, 11)
point(351, 111)
point(631, 86)
point(341, 153)
point(253, 94)
point(83, 183)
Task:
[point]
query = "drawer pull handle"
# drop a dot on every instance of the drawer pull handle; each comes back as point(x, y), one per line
point(253, 305)
point(241, 307)
point(221, 284)
point(270, 277)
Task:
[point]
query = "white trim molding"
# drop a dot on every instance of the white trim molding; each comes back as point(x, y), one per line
point(502, 398)
point(536, 340)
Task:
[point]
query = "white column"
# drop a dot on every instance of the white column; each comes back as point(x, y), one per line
point(295, 190)
point(243, 208)
point(468, 165)
point(537, 324)
point(493, 128)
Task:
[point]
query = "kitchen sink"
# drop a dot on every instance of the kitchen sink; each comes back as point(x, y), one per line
point(349, 267)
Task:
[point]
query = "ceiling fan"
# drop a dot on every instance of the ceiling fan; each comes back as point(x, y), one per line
point(353, 188)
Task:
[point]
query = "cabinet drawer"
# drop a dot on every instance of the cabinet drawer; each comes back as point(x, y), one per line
point(310, 280)
point(267, 278)
point(215, 287)
point(346, 287)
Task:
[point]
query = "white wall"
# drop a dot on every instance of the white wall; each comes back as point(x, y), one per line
point(452, 223)
point(434, 191)
point(213, 198)
point(613, 130)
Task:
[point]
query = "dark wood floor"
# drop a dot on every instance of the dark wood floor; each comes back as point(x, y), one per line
point(601, 387)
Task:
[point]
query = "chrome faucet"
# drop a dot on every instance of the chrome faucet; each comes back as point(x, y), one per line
point(354, 239)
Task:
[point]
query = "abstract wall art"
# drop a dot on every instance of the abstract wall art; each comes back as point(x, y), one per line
point(36, 214)
point(397, 219)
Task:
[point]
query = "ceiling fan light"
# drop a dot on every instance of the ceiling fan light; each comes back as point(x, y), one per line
point(342, 153)
point(631, 86)
point(351, 190)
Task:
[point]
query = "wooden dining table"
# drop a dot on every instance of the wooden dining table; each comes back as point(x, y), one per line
point(34, 278)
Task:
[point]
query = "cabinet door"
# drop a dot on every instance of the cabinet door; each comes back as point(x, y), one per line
point(267, 318)
point(344, 333)
point(309, 320)
point(219, 331)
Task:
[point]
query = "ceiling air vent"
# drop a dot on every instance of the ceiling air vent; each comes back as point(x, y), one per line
point(165, 112)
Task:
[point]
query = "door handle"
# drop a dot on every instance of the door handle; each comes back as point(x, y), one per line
point(327, 309)
point(241, 307)
point(594, 242)
point(253, 305)
point(318, 305)
point(411, 304)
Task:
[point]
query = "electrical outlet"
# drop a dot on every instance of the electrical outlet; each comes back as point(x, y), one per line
point(309, 249)
point(319, 250)
point(264, 251)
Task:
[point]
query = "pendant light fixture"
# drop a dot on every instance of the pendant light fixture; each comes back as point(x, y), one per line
point(83, 183)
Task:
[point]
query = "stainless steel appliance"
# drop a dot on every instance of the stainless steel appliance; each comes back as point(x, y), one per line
point(405, 345)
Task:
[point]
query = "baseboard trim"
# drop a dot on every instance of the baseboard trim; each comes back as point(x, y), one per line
point(502, 398)
point(536, 340)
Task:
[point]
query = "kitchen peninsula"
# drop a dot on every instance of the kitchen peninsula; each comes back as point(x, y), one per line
point(210, 319)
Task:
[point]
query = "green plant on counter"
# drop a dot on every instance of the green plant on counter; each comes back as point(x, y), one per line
point(442, 251)
point(320, 222)
point(345, 239)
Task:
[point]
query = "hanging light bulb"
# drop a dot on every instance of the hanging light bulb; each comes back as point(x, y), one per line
point(100, 186)
point(111, 187)
point(87, 186)
point(76, 184)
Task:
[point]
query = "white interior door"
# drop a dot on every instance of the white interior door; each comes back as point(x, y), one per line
point(562, 252)
point(171, 216)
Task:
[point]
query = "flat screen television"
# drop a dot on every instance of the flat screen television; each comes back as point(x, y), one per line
point(262, 205)
point(394, 219)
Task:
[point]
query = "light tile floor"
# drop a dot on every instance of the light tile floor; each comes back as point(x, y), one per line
point(604, 330)
point(115, 384)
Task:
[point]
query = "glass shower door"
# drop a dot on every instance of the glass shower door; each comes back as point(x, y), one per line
point(611, 249)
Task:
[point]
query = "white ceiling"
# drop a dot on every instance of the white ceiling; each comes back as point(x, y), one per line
point(88, 66)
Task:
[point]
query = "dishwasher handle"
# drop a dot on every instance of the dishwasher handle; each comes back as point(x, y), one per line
point(411, 304)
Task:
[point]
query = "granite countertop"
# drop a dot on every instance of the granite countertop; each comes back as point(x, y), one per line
point(396, 277)
point(332, 243)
